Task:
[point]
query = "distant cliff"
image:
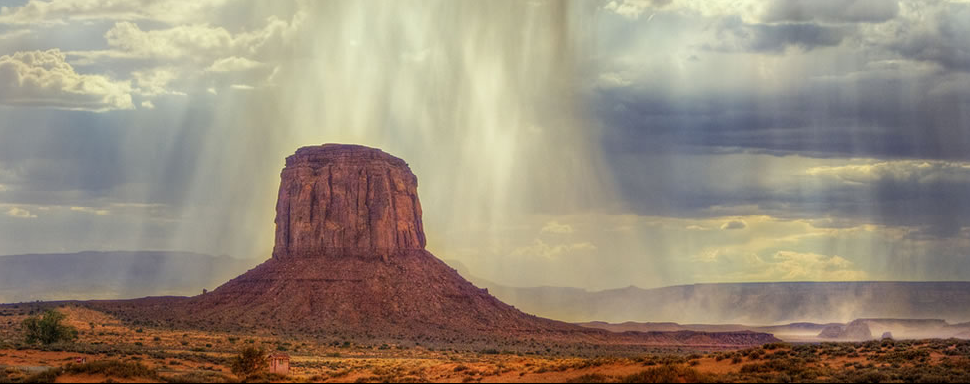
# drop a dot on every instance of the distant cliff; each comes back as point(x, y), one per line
point(112, 275)
point(742, 303)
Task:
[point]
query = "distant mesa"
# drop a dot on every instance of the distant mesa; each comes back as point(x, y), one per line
point(857, 330)
point(887, 335)
point(350, 260)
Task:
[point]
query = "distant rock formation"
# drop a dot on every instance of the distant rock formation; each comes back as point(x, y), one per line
point(831, 332)
point(887, 335)
point(857, 330)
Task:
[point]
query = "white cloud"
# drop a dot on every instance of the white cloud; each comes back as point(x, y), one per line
point(155, 81)
point(62, 11)
point(540, 248)
point(182, 42)
point(614, 80)
point(242, 87)
point(92, 211)
point(903, 171)
point(148, 104)
point(556, 227)
point(796, 266)
point(234, 64)
point(199, 42)
point(20, 213)
point(634, 8)
point(780, 266)
point(45, 79)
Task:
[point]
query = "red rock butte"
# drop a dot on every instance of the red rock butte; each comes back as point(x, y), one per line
point(349, 261)
point(347, 200)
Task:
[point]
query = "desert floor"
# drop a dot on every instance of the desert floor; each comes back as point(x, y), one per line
point(116, 352)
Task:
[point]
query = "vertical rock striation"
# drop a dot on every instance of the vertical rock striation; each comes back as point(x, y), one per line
point(347, 200)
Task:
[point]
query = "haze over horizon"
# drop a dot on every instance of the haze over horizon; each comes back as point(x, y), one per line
point(582, 144)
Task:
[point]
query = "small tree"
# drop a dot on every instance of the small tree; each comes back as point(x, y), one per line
point(48, 328)
point(251, 361)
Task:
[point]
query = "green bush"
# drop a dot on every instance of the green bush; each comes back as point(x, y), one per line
point(250, 362)
point(48, 329)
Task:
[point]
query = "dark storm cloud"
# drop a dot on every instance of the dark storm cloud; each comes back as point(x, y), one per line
point(838, 11)
point(733, 34)
point(85, 159)
point(941, 39)
point(679, 187)
point(874, 117)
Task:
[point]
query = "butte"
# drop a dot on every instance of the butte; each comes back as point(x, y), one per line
point(350, 261)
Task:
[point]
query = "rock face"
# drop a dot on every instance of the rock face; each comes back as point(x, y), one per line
point(857, 330)
point(347, 200)
point(831, 332)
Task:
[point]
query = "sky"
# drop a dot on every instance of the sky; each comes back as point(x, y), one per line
point(593, 144)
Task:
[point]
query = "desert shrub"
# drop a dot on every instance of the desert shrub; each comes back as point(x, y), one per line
point(47, 376)
point(666, 374)
point(199, 377)
point(591, 378)
point(250, 362)
point(47, 328)
point(774, 346)
point(112, 368)
point(866, 376)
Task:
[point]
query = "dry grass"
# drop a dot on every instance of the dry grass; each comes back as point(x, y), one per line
point(136, 353)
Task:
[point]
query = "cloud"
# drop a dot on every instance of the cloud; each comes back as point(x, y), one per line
point(540, 248)
point(193, 42)
point(20, 213)
point(63, 11)
point(734, 35)
point(45, 79)
point(779, 266)
point(91, 210)
point(938, 36)
point(556, 227)
point(898, 171)
point(155, 81)
point(202, 43)
point(797, 266)
point(14, 34)
point(734, 224)
point(837, 11)
point(633, 8)
point(148, 104)
point(234, 64)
